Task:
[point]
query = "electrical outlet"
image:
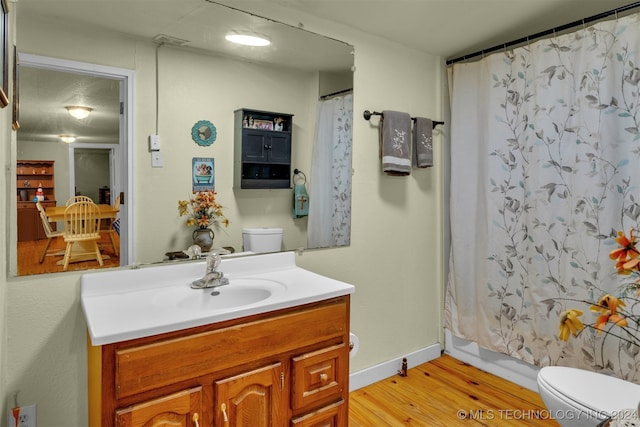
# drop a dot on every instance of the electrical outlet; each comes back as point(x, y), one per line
point(157, 159)
point(23, 416)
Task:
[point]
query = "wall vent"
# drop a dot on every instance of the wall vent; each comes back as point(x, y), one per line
point(165, 39)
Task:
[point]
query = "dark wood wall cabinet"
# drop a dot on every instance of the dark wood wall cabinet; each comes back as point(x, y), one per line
point(262, 155)
point(31, 175)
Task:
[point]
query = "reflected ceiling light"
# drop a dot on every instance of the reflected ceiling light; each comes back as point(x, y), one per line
point(248, 39)
point(78, 111)
point(67, 138)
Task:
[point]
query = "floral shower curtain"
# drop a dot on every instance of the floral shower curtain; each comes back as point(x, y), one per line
point(329, 221)
point(545, 149)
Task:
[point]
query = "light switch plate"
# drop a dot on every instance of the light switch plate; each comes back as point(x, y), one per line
point(154, 142)
point(26, 416)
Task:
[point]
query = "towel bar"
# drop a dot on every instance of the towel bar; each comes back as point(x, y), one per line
point(367, 115)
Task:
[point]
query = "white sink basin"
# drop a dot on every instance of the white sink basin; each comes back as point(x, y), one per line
point(126, 304)
point(239, 292)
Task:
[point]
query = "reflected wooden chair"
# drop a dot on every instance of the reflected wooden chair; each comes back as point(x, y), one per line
point(75, 199)
point(107, 228)
point(81, 233)
point(49, 232)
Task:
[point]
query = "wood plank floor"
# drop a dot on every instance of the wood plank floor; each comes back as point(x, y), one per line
point(29, 254)
point(446, 392)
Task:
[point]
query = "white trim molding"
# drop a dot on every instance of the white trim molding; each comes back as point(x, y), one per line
point(391, 367)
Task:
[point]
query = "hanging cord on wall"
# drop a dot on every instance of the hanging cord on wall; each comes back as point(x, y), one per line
point(157, 86)
point(522, 40)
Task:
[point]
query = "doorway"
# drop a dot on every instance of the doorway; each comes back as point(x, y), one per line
point(92, 169)
point(102, 146)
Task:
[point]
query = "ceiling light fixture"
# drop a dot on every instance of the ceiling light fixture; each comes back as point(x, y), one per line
point(78, 111)
point(67, 138)
point(248, 39)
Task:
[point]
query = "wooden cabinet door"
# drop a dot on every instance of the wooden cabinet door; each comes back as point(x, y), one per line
point(280, 148)
point(28, 223)
point(255, 146)
point(182, 409)
point(252, 399)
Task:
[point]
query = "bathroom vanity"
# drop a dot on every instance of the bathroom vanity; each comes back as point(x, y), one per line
point(276, 355)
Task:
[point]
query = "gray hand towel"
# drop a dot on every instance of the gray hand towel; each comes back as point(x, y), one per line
point(395, 142)
point(423, 143)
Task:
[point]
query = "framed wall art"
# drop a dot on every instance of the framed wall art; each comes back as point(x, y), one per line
point(4, 53)
point(202, 172)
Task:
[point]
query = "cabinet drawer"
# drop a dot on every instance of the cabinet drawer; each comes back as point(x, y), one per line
point(179, 409)
point(330, 416)
point(145, 367)
point(319, 376)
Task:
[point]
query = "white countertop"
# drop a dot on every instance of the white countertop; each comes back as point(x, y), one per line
point(126, 304)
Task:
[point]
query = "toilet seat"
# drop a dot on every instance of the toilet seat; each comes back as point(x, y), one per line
point(589, 391)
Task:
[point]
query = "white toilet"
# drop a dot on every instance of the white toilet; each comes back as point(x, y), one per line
point(581, 398)
point(262, 239)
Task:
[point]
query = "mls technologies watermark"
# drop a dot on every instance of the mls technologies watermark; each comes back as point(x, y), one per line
point(542, 414)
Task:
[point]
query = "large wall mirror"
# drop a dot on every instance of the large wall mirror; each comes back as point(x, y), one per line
point(179, 29)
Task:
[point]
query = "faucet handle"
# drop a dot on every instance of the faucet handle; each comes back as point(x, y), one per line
point(213, 261)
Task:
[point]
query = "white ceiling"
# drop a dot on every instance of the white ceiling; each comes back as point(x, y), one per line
point(448, 28)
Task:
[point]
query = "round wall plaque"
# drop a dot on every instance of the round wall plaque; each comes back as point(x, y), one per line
point(203, 133)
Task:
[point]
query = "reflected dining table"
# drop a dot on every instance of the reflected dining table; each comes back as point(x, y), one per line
point(105, 213)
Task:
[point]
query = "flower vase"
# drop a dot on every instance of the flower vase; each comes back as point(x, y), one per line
point(203, 237)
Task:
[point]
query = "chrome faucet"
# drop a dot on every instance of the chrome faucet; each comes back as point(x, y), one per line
point(212, 278)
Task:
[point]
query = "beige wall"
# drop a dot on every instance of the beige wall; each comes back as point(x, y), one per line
point(395, 259)
point(197, 87)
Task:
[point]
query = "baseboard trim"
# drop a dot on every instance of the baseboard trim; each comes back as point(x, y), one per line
point(391, 367)
point(509, 368)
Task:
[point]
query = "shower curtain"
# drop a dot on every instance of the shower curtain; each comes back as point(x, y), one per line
point(329, 222)
point(545, 169)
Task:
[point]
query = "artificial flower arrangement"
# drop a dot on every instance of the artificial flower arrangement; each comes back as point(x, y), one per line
point(202, 210)
point(615, 317)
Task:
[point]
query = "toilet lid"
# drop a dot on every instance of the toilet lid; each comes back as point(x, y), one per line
point(590, 389)
point(262, 230)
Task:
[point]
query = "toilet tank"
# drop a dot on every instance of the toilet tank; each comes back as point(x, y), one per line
point(262, 239)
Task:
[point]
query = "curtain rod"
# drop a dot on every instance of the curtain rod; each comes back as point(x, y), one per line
point(340, 92)
point(545, 33)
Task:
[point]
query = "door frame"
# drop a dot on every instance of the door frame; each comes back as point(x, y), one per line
point(124, 159)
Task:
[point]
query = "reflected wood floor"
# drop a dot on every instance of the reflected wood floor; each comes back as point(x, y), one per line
point(446, 392)
point(29, 254)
